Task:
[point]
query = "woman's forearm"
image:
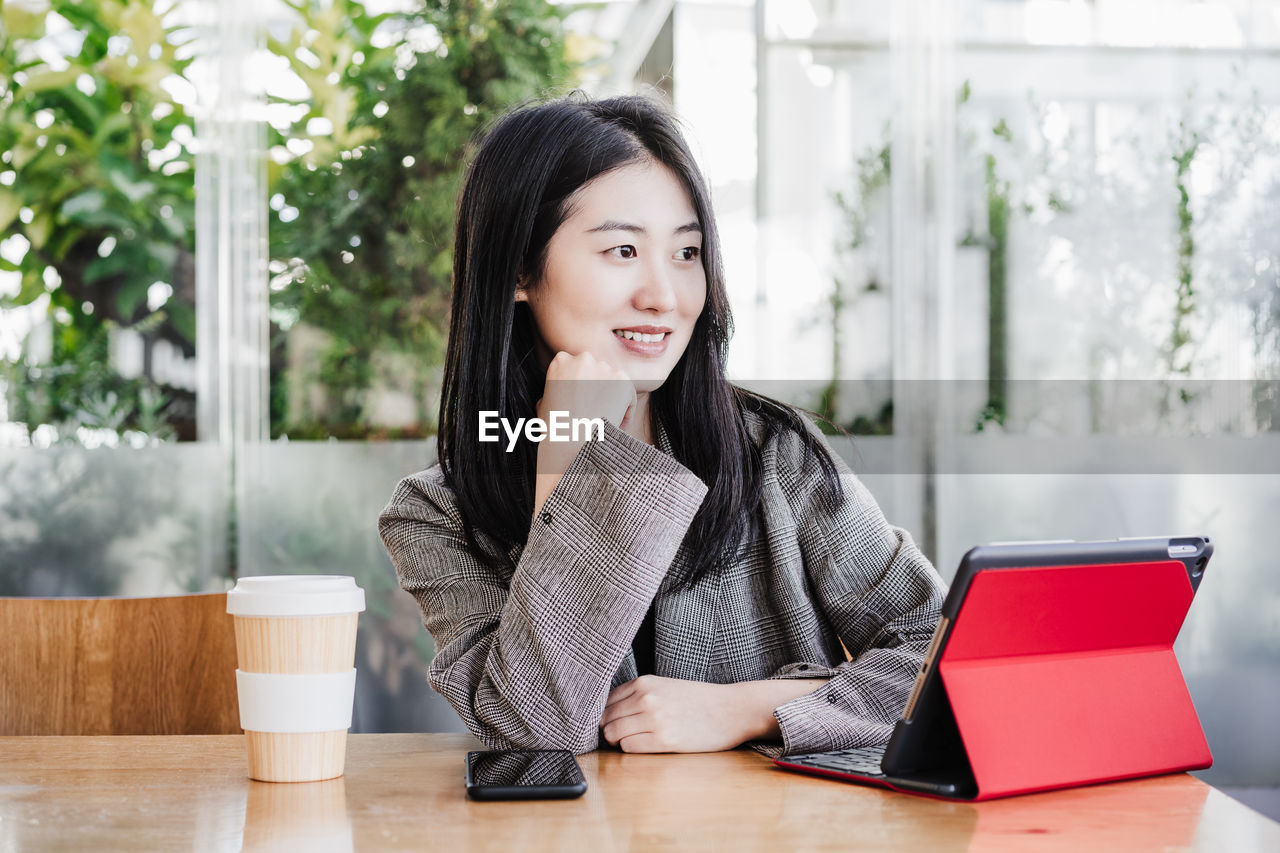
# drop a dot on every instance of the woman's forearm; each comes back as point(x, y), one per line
point(757, 701)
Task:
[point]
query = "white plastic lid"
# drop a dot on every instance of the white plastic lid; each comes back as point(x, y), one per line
point(295, 595)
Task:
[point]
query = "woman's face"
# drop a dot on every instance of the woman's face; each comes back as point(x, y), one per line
point(623, 277)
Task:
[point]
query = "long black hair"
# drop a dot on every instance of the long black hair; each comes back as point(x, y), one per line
point(516, 193)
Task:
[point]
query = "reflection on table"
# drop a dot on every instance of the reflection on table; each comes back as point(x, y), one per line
point(406, 792)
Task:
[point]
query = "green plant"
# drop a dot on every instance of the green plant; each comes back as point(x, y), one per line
point(362, 240)
point(96, 185)
point(996, 244)
point(77, 388)
point(996, 409)
point(872, 173)
point(1186, 144)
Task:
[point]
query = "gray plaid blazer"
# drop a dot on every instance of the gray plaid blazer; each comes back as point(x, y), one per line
point(528, 653)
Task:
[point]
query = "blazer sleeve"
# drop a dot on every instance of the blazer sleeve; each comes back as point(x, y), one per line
point(527, 661)
point(884, 599)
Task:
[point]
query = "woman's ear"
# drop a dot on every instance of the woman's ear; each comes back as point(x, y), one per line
point(522, 289)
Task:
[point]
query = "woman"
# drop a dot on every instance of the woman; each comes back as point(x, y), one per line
point(682, 582)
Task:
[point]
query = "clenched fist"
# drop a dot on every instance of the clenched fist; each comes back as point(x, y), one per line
point(585, 387)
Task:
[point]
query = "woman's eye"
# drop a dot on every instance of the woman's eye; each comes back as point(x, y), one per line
point(623, 251)
point(689, 253)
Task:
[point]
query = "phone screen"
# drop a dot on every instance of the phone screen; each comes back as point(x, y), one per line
point(519, 772)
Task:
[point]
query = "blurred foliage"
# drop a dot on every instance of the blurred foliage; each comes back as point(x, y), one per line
point(97, 204)
point(96, 184)
point(96, 196)
point(863, 220)
point(1188, 143)
point(76, 522)
point(77, 388)
point(362, 235)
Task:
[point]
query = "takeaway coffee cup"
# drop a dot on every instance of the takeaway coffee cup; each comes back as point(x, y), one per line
point(295, 646)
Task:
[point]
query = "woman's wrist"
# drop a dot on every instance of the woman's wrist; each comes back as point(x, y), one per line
point(544, 485)
point(554, 458)
point(757, 700)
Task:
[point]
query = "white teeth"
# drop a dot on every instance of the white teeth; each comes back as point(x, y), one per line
point(637, 336)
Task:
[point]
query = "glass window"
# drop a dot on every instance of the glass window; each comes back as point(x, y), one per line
point(1082, 279)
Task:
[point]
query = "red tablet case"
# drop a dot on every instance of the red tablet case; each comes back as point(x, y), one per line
point(1065, 675)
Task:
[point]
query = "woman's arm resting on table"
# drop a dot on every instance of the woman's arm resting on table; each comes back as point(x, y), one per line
point(877, 591)
point(527, 662)
point(883, 598)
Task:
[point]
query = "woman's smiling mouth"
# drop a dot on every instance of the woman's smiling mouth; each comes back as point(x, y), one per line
point(644, 340)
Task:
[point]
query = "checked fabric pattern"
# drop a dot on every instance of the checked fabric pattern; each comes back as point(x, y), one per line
point(527, 654)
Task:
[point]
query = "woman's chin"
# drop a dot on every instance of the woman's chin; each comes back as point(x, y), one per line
point(648, 384)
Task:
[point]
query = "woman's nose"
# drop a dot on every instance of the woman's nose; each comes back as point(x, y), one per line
point(656, 291)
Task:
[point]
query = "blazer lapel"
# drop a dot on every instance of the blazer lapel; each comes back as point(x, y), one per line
point(685, 623)
point(684, 618)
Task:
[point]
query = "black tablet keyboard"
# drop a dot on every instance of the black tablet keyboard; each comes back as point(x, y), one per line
point(864, 761)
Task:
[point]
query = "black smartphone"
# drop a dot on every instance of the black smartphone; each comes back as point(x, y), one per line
point(524, 774)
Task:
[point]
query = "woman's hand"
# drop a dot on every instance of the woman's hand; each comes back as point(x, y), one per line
point(585, 387)
point(656, 714)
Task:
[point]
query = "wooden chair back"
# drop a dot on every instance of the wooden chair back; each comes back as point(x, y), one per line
point(117, 666)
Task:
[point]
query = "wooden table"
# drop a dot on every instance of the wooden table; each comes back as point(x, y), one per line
point(404, 791)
